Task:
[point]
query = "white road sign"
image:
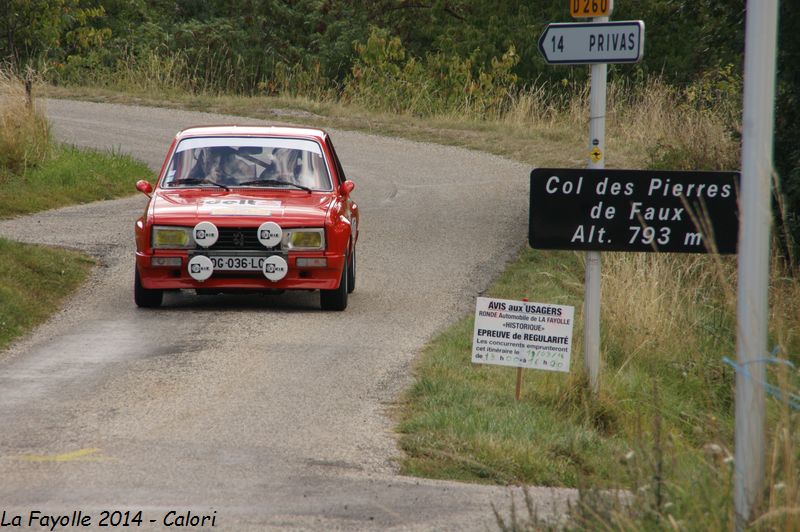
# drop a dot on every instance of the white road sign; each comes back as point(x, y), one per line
point(522, 334)
point(583, 43)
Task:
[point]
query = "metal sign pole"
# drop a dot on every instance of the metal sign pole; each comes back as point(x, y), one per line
point(597, 141)
point(754, 252)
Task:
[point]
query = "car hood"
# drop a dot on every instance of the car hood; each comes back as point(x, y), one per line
point(232, 208)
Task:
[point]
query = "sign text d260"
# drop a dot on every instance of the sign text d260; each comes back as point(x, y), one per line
point(590, 8)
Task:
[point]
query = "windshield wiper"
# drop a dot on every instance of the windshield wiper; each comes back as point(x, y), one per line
point(197, 181)
point(275, 182)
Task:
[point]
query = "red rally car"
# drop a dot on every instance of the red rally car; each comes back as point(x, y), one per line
point(248, 209)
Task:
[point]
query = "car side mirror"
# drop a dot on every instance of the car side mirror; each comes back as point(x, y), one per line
point(144, 187)
point(346, 188)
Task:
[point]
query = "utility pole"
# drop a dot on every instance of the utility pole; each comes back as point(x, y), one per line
point(754, 252)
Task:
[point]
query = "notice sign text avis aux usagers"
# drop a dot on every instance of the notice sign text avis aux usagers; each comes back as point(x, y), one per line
point(633, 210)
point(522, 334)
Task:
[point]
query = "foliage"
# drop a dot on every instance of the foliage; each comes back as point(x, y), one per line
point(50, 29)
point(787, 125)
point(385, 78)
point(246, 39)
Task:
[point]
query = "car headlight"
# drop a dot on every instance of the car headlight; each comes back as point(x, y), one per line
point(304, 239)
point(172, 237)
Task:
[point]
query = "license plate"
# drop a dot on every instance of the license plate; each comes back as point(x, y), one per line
point(238, 264)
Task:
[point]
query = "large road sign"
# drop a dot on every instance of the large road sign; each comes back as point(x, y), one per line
point(633, 210)
point(590, 8)
point(584, 43)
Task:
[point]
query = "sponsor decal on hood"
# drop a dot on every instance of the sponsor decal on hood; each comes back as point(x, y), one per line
point(239, 207)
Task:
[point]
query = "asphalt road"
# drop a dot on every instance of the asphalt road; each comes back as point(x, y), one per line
point(263, 412)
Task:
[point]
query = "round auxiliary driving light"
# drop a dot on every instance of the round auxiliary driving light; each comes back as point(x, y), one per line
point(275, 268)
point(270, 234)
point(205, 234)
point(200, 268)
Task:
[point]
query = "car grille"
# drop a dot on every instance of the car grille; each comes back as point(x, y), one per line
point(238, 238)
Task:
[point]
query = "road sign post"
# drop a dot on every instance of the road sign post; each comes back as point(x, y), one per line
point(596, 149)
point(597, 43)
point(751, 304)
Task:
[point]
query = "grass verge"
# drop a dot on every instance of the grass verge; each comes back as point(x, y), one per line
point(34, 281)
point(662, 425)
point(70, 176)
point(36, 175)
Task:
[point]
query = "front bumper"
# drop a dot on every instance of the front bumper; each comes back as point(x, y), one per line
point(297, 278)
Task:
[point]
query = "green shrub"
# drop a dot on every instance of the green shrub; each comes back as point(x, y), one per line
point(385, 78)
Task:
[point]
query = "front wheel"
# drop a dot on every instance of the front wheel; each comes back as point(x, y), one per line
point(335, 299)
point(145, 297)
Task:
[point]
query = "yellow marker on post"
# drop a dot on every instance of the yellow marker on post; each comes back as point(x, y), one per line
point(595, 155)
point(590, 8)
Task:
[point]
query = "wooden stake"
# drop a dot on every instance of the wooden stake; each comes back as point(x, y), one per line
point(519, 373)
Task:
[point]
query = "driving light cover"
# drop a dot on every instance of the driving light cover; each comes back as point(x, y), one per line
point(270, 234)
point(200, 268)
point(305, 239)
point(170, 237)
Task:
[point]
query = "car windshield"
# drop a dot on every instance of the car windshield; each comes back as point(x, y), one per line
point(248, 162)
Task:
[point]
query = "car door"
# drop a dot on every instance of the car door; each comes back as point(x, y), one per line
point(350, 207)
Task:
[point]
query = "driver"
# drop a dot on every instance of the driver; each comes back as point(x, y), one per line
point(220, 164)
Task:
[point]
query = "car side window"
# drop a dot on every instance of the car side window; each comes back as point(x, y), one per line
point(339, 169)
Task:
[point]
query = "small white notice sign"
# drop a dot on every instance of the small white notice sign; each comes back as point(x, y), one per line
point(522, 334)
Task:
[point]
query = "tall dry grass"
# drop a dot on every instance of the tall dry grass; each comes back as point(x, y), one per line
point(24, 132)
point(659, 303)
point(672, 128)
point(677, 130)
point(547, 104)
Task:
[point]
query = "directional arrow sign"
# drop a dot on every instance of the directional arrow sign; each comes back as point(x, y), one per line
point(603, 42)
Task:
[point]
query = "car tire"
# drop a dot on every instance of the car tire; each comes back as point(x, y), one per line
point(336, 299)
point(351, 272)
point(145, 297)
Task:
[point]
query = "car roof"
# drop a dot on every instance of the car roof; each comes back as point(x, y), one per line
point(254, 131)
